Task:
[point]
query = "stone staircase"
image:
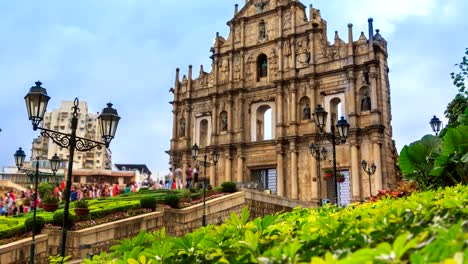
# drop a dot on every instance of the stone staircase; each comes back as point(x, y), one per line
point(6, 185)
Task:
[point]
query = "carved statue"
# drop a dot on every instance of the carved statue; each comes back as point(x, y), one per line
point(224, 121)
point(306, 111)
point(366, 103)
point(182, 128)
point(261, 6)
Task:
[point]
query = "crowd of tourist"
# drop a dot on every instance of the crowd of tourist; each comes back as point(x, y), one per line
point(175, 180)
point(13, 204)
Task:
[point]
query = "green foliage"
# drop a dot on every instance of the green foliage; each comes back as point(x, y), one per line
point(59, 259)
point(45, 189)
point(148, 202)
point(458, 105)
point(50, 199)
point(40, 223)
point(172, 200)
point(460, 78)
point(426, 227)
point(417, 160)
point(81, 204)
point(229, 187)
point(58, 219)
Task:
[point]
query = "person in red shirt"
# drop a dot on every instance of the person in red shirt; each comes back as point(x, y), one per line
point(115, 191)
point(62, 186)
point(12, 195)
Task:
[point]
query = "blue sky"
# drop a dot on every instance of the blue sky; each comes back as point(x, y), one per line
point(126, 52)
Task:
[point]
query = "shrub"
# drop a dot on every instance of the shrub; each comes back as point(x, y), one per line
point(148, 202)
point(185, 196)
point(58, 219)
point(229, 187)
point(172, 200)
point(40, 222)
point(45, 189)
point(81, 204)
point(50, 199)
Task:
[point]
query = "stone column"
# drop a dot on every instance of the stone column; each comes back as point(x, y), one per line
point(373, 82)
point(240, 168)
point(294, 180)
point(378, 171)
point(279, 111)
point(314, 174)
point(175, 125)
point(355, 173)
point(279, 170)
point(214, 124)
point(293, 103)
point(227, 168)
point(187, 122)
point(212, 175)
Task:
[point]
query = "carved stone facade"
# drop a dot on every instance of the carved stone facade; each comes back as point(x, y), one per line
point(255, 105)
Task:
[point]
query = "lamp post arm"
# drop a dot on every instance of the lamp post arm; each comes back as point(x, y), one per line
point(63, 140)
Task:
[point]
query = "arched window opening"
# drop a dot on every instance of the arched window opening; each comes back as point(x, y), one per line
point(182, 127)
point(262, 66)
point(264, 123)
point(305, 110)
point(365, 100)
point(223, 121)
point(203, 133)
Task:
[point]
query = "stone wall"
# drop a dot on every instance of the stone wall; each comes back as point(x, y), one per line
point(99, 238)
point(18, 252)
point(261, 204)
point(180, 222)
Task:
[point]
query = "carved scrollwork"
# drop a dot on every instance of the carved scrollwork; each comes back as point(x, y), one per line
point(86, 145)
point(60, 139)
point(64, 140)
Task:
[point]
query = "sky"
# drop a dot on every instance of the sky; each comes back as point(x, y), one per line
point(126, 52)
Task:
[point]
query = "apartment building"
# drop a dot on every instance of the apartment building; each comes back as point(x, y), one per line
point(88, 127)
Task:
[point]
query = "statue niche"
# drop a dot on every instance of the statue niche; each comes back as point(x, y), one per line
point(182, 128)
point(366, 102)
point(223, 121)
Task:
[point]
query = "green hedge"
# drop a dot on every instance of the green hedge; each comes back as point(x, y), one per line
point(428, 227)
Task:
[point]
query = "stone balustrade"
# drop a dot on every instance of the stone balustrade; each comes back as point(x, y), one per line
point(18, 252)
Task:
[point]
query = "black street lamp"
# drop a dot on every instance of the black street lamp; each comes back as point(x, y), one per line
point(34, 177)
point(36, 104)
point(370, 171)
point(435, 125)
point(320, 116)
point(319, 155)
point(195, 149)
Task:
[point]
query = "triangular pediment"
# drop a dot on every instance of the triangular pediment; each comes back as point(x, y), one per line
point(255, 7)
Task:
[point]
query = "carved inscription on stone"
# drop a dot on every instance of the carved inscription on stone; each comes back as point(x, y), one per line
point(302, 52)
point(237, 68)
point(273, 63)
point(224, 70)
point(249, 64)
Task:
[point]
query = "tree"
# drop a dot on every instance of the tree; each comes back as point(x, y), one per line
point(458, 105)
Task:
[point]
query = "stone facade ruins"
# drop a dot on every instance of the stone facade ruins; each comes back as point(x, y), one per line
point(255, 106)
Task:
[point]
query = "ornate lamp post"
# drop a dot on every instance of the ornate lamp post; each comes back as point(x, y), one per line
point(36, 103)
point(34, 177)
point(319, 155)
point(320, 116)
point(370, 171)
point(205, 164)
point(435, 125)
point(215, 155)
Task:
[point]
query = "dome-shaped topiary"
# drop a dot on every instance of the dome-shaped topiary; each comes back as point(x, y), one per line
point(57, 219)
